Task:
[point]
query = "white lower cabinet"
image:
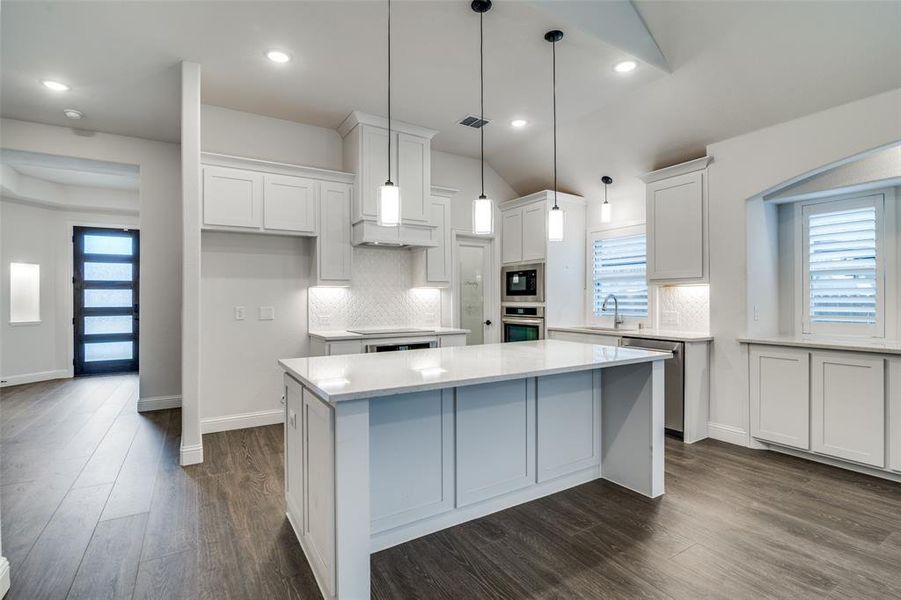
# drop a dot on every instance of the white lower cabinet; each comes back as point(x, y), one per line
point(780, 396)
point(294, 451)
point(894, 408)
point(319, 485)
point(848, 406)
point(495, 439)
point(568, 408)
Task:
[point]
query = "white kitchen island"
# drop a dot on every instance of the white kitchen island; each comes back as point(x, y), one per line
point(384, 448)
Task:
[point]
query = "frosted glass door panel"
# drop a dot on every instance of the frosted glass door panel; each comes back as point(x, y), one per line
point(108, 244)
point(108, 324)
point(107, 298)
point(108, 351)
point(97, 271)
point(472, 292)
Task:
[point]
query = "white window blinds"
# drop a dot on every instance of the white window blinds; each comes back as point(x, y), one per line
point(619, 269)
point(842, 271)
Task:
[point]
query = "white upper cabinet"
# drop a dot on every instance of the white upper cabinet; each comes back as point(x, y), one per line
point(414, 177)
point(780, 395)
point(372, 172)
point(511, 235)
point(232, 197)
point(534, 236)
point(290, 203)
point(848, 406)
point(334, 253)
point(433, 266)
point(677, 222)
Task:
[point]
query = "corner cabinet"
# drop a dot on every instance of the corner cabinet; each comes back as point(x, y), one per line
point(255, 196)
point(677, 222)
point(366, 151)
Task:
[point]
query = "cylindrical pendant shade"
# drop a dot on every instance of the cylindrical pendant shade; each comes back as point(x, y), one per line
point(482, 216)
point(606, 212)
point(389, 205)
point(555, 218)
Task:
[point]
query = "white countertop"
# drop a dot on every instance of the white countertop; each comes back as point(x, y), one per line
point(653, 334)
point(356, 376)
point(334, 335)
point(853, 345)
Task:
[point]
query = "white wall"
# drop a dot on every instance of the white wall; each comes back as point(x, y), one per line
point(160, 224)
point(464, 174)
point(747, 166)
point(238, 365)
point(42, 235)
point(227, 131)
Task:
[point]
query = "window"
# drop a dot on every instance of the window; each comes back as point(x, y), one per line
point(24, 293)
point(618, 259)
point(843, 272)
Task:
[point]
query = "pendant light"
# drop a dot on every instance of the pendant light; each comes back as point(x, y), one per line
point(555, 217)
point(389, 194)
point(606, 209)
point(482, 207)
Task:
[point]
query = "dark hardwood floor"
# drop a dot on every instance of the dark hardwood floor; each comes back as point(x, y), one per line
point(94, 505)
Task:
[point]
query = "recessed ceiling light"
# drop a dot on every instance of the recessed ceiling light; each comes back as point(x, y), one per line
point(73, 114)
point(278, 56)
point(55, 85)
point(519, 123)
point(625, 66)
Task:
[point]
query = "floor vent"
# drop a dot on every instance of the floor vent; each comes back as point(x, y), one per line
point(473, 121)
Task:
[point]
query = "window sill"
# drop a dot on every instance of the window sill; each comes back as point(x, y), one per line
point(24, 323)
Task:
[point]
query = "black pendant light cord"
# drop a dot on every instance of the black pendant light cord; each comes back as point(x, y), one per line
point(388, 181)
point(482, 96)
point(554, 72)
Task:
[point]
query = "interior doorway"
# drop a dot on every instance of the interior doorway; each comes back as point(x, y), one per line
point(474, 286)
point(105, 282)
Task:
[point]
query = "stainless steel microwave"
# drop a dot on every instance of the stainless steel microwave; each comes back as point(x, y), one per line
point(522, 283)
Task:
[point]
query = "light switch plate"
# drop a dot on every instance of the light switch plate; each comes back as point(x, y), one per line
point(267, 313)
point(239, 313)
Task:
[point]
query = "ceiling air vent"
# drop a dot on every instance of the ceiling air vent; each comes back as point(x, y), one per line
point(473, 121)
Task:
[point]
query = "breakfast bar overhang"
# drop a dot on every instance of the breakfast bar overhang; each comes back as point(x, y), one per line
point(384, 448)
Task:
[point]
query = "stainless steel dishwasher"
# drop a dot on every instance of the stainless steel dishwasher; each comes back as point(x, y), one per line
point(673, 377)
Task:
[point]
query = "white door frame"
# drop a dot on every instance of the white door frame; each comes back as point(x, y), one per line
point(490, 289)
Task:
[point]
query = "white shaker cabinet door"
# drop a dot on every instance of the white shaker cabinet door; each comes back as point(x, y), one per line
point(414, 177)
point(534, 236)
point(374, 169)
point(334, 252)
point(893, 396)
point(232, 197)
point(319, 484)
point(511, 236)
point(675, 217)
point(290, 203)
point(780, 395)
point(294, 458)
point(848, 402)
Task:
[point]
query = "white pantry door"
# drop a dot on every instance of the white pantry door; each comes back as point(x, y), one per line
point(474, 285)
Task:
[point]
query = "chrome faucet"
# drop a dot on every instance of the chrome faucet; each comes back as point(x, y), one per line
point(617, 320)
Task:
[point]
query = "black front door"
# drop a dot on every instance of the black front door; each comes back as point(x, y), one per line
point(106, 300)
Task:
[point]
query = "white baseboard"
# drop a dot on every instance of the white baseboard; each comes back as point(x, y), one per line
point(728, 433)
point(158, 403)
point(9, 380)
point(4, 576)
point(242, 420)
point(191, 455)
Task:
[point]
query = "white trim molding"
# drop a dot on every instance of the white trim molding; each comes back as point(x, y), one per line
point(242, 420)
point(158, 403)
point(681, 169)
point(10, 380)
point(4, 576)
point(191, 455)
point(728, 433)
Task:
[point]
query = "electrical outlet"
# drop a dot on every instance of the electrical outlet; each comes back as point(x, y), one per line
point(239, 313)
point(267, 313)
point(324, 320)
point(756, 312)
point(669, 318)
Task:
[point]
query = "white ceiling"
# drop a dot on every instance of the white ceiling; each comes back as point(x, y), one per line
point(736, 66)
point(82, 178)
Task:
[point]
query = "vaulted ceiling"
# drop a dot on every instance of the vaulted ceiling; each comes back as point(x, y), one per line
point(734, 67)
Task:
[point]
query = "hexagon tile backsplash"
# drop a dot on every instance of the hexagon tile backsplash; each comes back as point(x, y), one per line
point(688, 304)
point(381, 295)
